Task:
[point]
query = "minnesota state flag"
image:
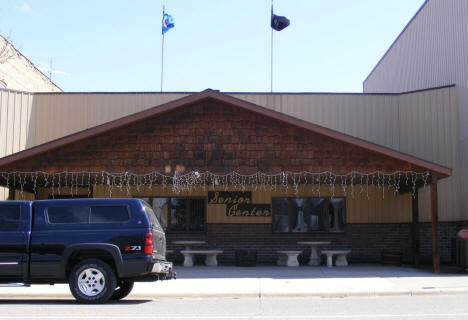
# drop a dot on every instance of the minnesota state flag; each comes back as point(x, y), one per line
point(167, 23)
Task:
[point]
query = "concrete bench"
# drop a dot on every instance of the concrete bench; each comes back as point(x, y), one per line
point(288, 258)
point(340, 257)
point(210, 259)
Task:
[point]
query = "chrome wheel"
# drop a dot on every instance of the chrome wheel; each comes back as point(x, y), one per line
point(91, 282)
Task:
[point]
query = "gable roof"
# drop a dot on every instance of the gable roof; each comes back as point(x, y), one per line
point(213, 95)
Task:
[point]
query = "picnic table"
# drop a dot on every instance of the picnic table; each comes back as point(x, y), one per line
point(314, 259)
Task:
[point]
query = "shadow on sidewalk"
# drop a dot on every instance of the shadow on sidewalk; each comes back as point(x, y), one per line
point(32, 301)
point(308, 272)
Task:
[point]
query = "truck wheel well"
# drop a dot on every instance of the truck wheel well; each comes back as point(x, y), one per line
point(81, 255)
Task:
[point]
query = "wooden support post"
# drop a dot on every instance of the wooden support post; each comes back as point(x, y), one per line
point(435, 228)
point(11, 193)
point(415, 229)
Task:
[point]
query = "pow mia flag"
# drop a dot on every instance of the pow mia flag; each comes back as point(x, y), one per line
point(278, 23)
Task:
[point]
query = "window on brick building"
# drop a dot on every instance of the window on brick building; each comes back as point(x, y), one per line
point(308, 214)
point(179, 214)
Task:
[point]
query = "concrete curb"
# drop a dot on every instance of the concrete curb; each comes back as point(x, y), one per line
point(233, 295)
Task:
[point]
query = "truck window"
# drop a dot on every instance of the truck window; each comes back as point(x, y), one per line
point(151, 216)
point(68, 215)
point(9, 218)
point(109, 214)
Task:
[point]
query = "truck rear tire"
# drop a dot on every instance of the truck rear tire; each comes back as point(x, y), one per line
point(92, 281)
point(123, 289)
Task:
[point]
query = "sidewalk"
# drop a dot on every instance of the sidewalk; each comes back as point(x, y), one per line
point(273, 281)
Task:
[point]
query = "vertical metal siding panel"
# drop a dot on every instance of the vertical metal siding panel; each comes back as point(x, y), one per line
point(43, 112)
point(3, 122)
point(81, 115)
point(24, 121)
point(88, 116)
point(31, 129)
point(10, 123)
point(43, 125)
point(14, 121)
point(359, 123)
point(36, 114)
point(52, 124)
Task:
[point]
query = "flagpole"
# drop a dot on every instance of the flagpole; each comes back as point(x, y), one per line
point(162, 57)
point(271, 51)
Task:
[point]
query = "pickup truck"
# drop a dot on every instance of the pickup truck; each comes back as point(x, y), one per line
point(100, 247)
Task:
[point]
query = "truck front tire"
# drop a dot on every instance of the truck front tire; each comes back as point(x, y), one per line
point(92, 281)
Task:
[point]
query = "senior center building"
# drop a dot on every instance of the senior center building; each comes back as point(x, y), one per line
point(367, 172)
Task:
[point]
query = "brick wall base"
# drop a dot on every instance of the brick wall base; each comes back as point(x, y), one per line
point(366, 240)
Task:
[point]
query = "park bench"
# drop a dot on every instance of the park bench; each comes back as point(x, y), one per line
point(210, 259)
point(288, 258)
point(340, 257)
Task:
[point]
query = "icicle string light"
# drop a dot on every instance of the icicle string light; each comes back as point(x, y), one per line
point(186, 182)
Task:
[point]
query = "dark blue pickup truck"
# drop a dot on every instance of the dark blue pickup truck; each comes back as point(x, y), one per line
point(99, 246)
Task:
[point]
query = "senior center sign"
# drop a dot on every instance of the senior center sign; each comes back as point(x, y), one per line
point(239, 204)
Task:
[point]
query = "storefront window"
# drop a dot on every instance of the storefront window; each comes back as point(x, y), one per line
point(179, 214)
point(308, 214)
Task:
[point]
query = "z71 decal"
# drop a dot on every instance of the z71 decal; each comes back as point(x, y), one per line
point(132, 248)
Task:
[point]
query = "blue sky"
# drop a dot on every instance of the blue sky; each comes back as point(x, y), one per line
point(115, 45)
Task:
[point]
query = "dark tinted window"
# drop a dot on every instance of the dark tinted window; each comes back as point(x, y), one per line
point(178, 217)
point(197, 214)
point(69, 215)
point(9, 218)
point(109, 214)
point(309, 214)
point(179, 214)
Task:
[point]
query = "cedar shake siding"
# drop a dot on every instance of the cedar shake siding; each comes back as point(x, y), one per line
point(214, 136)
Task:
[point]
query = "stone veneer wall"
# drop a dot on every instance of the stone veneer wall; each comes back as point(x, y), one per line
point(366, 240)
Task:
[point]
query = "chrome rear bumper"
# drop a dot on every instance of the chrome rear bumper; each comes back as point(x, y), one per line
point(162, 267)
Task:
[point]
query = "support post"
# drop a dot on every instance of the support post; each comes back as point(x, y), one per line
point(415, 229)
point(11, 193)
point(435, 227)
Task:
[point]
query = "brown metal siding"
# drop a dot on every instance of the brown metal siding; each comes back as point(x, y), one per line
point(15, 112)
point(431, 52)
point(71, 113)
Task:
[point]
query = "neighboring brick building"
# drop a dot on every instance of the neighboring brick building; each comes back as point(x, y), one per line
point(18, 73)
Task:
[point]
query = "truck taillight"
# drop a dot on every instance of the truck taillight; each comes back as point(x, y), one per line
point(148, 243)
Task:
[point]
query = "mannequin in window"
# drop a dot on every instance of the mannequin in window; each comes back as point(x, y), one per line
point(336, 209)
point(301, 226)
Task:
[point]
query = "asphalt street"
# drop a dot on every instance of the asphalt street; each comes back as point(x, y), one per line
point(394, 307)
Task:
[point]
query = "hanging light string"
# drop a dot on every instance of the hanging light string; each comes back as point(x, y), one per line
point(186, 182)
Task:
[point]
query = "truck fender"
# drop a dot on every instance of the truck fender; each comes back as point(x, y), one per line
point(112, 249)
